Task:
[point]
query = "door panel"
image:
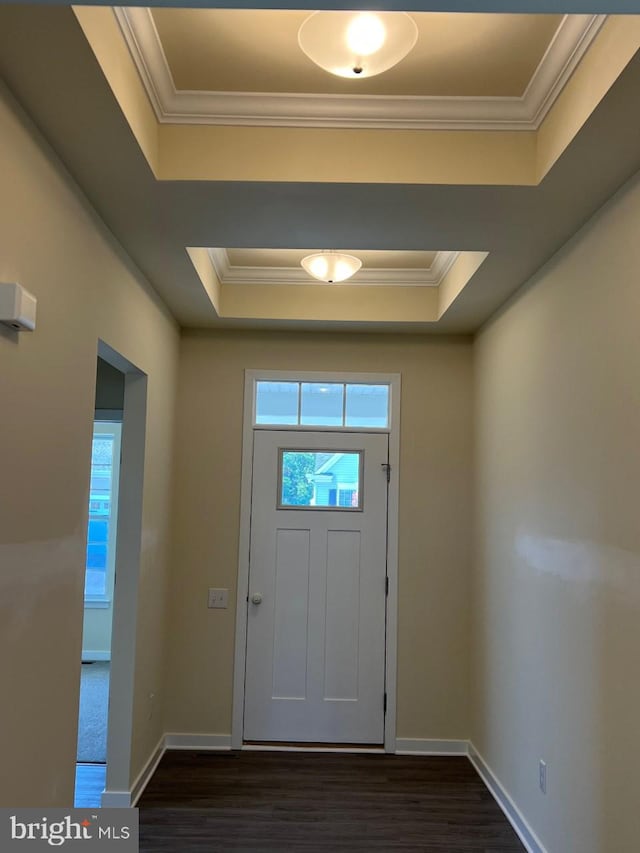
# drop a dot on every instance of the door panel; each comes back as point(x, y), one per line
point(316, 636)
point(341, 650)
point(291, 616)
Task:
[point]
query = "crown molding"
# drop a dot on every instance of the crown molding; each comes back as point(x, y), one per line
point(401, 112)
point(372, 276)
point(569, 44)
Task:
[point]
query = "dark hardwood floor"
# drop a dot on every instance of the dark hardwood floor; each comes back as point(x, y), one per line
point(296, 801)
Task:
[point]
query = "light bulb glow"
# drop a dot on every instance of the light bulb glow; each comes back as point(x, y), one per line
point(357, 44)
point(365, 34)
point(342, 271)
point(331, 266)
point(319, 266)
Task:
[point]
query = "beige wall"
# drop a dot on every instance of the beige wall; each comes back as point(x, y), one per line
point(557, 591)
point(53, 244)
point(434, 516)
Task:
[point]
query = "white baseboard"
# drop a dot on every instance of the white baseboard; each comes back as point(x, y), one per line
point(90, 656)
point(431, 746)
point(174, 740)
point(147, 771)
point(128, 799)
point(513, 814)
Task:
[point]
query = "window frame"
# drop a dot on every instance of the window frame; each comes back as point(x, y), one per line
point(329, 378)
point(280, 506)
point(103, 602)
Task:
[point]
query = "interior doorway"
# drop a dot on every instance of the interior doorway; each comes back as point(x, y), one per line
point(114, 531)
point(100, 571)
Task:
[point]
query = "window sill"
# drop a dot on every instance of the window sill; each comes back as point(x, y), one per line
point(98, 602)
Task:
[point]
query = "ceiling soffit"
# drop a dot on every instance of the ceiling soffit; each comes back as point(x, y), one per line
point(526, 112)
point(282, 299)
point(522, 226)
point(399, 276)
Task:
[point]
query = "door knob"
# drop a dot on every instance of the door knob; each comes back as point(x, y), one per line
point(256, 598)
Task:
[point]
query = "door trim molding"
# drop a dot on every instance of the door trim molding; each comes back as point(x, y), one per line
point(127, 567)
point(394, 381)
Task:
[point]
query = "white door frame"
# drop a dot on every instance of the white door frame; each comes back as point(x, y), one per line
point(125, 594)
point(251, 377)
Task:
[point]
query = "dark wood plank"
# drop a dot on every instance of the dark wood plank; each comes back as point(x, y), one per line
point(312, 802)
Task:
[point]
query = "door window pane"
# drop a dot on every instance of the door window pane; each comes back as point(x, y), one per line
point(367, 406)
point(320, 479)
point(277, 402)
point(321, 404)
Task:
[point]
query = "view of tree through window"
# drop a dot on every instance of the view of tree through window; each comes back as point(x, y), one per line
point(320, 479)
point(297, 470)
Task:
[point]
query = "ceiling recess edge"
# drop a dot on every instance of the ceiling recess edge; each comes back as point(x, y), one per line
point(401, 112)
point(433, 276)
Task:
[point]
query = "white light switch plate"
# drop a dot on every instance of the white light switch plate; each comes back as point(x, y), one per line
point(218, 598)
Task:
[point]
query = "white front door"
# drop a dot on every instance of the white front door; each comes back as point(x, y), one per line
point(315, 661)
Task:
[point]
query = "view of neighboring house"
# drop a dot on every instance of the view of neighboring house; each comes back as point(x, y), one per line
point(336, 480)
point(320, 479)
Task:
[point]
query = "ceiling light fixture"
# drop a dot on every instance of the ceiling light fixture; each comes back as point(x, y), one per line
point(331, 266)
point(357, 44)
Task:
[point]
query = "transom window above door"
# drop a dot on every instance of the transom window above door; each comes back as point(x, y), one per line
point(336, 405)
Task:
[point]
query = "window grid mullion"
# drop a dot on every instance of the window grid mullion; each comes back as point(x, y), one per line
point(380, 421)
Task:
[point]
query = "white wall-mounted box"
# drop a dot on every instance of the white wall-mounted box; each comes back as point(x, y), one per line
point(17, 307)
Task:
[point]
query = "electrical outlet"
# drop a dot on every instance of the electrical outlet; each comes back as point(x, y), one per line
point(542, 778)
point(218, 598)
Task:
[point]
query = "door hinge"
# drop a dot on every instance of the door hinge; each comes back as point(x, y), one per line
point(384, 703)
point(386, 585)
point(387, 468)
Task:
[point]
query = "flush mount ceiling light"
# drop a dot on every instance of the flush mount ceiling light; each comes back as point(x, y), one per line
point(331, 266)
point(357, 44)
